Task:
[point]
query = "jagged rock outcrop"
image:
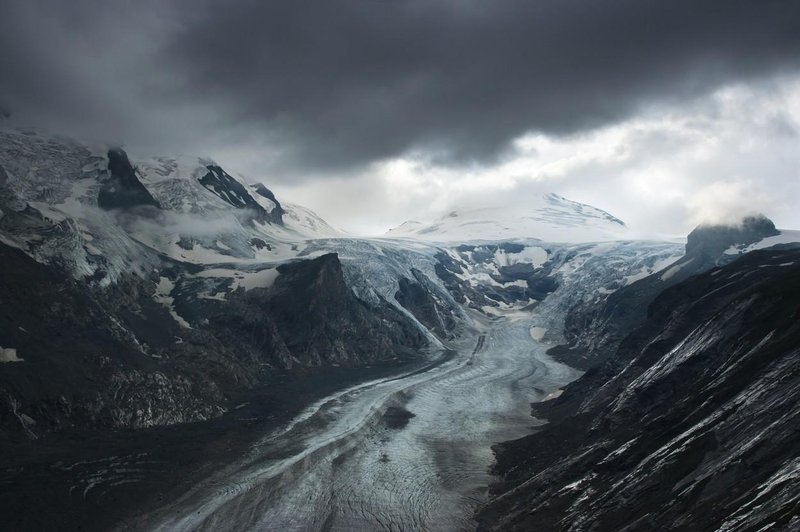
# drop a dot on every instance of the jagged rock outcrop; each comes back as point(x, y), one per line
point(310, 317)
point(690, 425)
point(234, 193)
point(277, 212)
point(121, 189)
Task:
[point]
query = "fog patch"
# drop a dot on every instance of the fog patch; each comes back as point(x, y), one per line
point(211, 229)
point(728, 203)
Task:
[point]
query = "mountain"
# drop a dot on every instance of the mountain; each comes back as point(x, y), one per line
point(150, 291)
point(593, 332)
point(548, 217)
point(161, 315)
point(690, 425)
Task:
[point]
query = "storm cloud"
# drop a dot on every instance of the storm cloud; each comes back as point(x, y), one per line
point(328, 86)
point(666, 113)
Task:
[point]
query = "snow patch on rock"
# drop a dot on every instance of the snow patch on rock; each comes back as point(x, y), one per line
point(9, 354)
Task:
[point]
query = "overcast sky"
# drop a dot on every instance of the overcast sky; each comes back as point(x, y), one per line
point(371, 112)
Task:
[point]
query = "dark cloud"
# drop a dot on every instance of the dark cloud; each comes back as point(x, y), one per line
point(333, 84)
point(85, 67)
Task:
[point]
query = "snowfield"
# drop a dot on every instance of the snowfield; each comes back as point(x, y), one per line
point(549, 217)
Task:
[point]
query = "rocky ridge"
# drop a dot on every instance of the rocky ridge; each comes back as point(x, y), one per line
point(689, 424)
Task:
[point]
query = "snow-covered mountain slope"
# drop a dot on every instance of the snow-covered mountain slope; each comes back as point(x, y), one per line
point(549, 217)
point(112, 214)
point(306, 223)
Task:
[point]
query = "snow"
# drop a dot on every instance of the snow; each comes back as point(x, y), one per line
point(553, 395)
point(537, 333)
point(657, 267)
point(164, 296)
point(785, 237)
point(673, 270)
point(406, 227)
point(307, 223)
point(622, 449)
point(548, 217)
point(265, 203)
point(534, 255)
point(246, 279)
point(157, 169)
point(9, 354)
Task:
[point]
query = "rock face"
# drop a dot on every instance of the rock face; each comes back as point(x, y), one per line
point(324, 321)
point(115, 358)
point(83, 367)
point(233, 192)
point(149, 294)
point(417, 299)
point(594, 332)
point(122, 189)
point(310, 317)
point(277, 212)
point(690, 425)
point(709, 242)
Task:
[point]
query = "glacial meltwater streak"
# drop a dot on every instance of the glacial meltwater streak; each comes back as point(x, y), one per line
point(347, 464)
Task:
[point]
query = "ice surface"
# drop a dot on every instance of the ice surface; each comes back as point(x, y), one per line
point(549, 217)
point(353, 472)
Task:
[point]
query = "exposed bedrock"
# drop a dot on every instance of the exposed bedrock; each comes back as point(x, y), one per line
point(690, 425)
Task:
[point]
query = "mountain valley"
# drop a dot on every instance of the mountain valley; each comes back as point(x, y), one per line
point(183, 350)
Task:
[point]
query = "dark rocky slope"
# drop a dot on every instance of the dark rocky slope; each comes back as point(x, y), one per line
point(79, 365)
point(594, 332)
point(690, 425)
point(416, 297)
point(121, 188)
point(113, 358)
point(310, 317)
point(234, 193)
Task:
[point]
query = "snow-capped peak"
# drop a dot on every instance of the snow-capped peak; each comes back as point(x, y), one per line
point(548, 217)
